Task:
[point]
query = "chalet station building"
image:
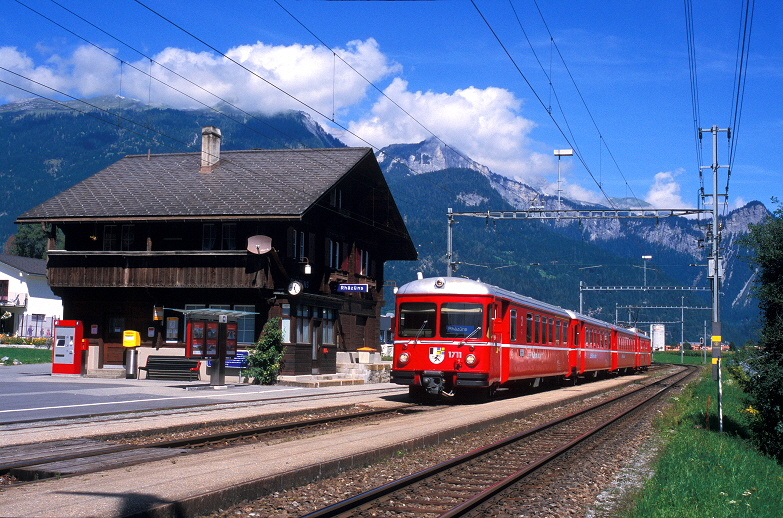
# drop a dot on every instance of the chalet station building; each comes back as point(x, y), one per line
point(268, 233)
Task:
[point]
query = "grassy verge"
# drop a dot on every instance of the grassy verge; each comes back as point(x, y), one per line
point(701, 472)
point(25, 355)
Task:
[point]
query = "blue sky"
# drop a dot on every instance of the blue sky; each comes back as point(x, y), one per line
point(443, 65)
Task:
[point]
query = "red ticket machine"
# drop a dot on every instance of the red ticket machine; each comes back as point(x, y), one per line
point(68, 347)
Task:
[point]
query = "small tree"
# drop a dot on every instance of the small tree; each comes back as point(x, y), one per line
point(763, 369)
point(31, 241)
point(265, 358)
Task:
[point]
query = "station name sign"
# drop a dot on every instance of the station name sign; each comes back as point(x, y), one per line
point(352, 287)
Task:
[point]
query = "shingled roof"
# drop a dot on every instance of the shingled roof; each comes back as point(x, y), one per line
point(265, 183)
point(25, 264)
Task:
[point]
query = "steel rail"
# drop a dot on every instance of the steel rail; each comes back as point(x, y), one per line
point(201, 440)
point(363, 500)
point(504, 484)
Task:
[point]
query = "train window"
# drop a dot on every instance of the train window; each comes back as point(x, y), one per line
point(417, 319)
point(557, 332)
point(460, 319)
point(529, 329)
point(576, 336)
point(551, 336)
point(537, 330)
point(513, 319)
point(489, 320)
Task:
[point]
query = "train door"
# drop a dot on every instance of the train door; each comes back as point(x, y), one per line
point(504, 334)
point(495, 325)
point(574, 351)
point(614, 346)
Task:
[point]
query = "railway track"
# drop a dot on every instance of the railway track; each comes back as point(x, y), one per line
point(34, 462)
point(457, 487)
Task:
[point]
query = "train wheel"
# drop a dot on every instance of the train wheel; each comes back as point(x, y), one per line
point(570, 381)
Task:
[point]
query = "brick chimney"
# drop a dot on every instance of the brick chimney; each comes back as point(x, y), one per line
point(210, 148)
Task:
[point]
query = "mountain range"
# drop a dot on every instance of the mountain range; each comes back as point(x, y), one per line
point(48, 147)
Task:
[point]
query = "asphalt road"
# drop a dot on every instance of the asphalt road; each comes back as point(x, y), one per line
point(31, 393)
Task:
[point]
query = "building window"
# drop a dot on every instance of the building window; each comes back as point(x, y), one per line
point(328, 326)
point(208, 236)
point(286, 322)
point(172, 329)
point(246, 325)
point(229, 236)
point(335, 258)
point(127, 238)
point(303, 324)
point(336, 198)
point(363, 268)
point(109, 238)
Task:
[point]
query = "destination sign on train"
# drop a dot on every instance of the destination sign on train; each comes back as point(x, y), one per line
point(352, 287)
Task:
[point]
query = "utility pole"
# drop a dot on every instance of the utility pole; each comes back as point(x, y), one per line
point(682, 329)
point(715, 270)
point(450, 266)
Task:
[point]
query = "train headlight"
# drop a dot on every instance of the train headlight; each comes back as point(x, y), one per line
point(403, 358)
point(471, 360)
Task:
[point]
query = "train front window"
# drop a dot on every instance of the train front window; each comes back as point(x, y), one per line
point(417, 320)
point(460, 320)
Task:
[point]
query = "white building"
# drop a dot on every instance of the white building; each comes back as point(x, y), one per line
point(27, 305)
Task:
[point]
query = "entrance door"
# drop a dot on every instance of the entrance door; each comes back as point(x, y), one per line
point(317, 340)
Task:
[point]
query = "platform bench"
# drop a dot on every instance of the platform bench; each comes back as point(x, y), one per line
point(172, 368)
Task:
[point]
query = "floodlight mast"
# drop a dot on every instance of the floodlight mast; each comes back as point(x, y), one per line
point(558, 154)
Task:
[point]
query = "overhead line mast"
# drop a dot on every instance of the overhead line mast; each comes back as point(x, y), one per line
point(715, 266)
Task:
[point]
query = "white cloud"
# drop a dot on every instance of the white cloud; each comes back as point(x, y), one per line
point(309, 74)
point(485, 124)
point(738, 203)
point(86, 73)
point(665, 191)
point(577, 192)
point(306, 73)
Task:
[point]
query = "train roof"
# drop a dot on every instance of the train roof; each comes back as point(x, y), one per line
point(463, 286)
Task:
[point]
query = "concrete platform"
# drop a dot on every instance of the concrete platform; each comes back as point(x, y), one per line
point(197, 483)
point(318, 380)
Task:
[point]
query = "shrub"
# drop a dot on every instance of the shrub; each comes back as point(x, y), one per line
point(265, 358)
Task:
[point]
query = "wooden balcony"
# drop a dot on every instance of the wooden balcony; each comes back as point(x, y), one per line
point(170, 269)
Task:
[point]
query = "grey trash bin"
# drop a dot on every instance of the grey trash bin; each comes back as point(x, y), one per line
point(131, 362)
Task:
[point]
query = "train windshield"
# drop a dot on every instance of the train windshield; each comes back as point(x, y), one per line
point(417, 319)
point(460, 319)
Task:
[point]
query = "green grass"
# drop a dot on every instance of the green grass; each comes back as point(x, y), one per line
point(25, 355)
point(703, 473)
point(689, 357)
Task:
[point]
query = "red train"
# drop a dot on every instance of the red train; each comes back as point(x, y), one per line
point(458, 336)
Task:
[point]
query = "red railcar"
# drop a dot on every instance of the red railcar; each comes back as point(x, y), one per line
point(455, 335)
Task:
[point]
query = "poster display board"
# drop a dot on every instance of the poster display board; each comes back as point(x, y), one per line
point(231, 339)
point(195, 339)
point(211, 340)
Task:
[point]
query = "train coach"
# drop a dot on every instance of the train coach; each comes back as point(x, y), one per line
point(462, 337)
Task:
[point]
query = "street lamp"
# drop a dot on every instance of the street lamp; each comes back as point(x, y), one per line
point(558, 154)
